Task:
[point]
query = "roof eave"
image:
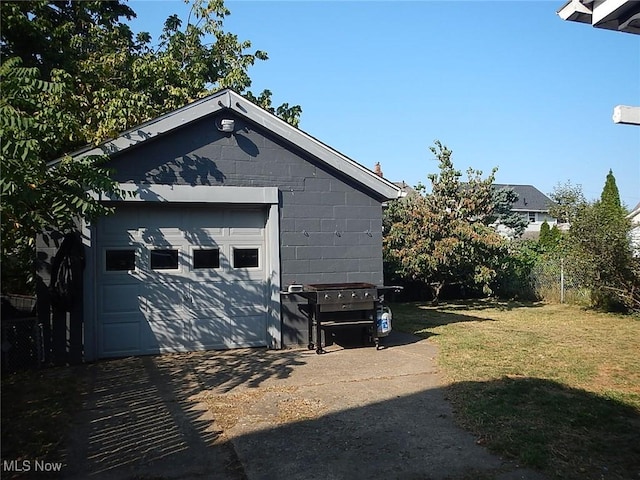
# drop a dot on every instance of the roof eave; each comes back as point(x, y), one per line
point(618, 15)
point(227, 99)
point(575, 11)
point(315, 147)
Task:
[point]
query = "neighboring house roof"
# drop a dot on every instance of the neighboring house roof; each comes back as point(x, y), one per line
point(619, 15)
point(405, 189)
point(228, 100)
point(530, 199)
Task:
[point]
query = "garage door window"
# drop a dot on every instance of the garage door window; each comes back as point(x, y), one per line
point(206, 258)
point(245, 257)
point(165, 259)
point(120, 260)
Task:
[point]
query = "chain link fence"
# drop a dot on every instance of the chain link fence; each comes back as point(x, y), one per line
point(554, 280)
point(21, 337)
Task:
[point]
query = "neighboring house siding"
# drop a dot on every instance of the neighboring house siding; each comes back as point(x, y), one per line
point(330, 230)
point(536, 219)
point(634, 216)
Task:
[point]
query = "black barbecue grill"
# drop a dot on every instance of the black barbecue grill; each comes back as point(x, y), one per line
point(340, 305)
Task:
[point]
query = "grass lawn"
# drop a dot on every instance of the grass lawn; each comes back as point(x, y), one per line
point(555, 386)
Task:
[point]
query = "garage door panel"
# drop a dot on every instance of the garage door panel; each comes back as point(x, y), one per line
point(210, 332)
point(215, 296)
point(120, 338)
point(120, 228)
point(248, 222)
point(164, 334)
point(161, 237)
point(242, 294)
point(123, 318)
point(207, 297)
point(164, 297)
point(121, 298)
point(208, 222)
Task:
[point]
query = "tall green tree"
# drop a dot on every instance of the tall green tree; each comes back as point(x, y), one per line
point(610, 197)
point(545, 233)
point(115, 79)
point(74, 73)
point(602, 253)
point(444, 237)
point(34, 196)
point(47, 34)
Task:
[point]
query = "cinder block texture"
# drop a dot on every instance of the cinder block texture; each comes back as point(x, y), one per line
point(330, 227)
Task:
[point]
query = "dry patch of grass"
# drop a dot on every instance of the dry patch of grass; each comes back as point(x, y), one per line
point(556, 386)
point(272, 405)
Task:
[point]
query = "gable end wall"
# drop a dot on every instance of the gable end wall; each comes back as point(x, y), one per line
point(330, 229)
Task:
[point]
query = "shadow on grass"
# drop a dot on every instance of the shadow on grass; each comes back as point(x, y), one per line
point(568, 432)
point(419, 317)
point(488, 303)
point(562, 432)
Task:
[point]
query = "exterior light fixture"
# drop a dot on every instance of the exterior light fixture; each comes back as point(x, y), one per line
point(226, 125)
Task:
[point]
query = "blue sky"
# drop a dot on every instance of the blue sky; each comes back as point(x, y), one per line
point(504, 84)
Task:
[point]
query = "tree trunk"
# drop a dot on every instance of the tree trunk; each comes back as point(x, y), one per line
point(435, 290)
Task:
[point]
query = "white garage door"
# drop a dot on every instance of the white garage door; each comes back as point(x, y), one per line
point(175, 278)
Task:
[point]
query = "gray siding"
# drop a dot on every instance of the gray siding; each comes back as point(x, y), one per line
point(330, 228)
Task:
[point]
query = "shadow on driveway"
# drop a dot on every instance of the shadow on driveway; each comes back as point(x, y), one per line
point(258, 414)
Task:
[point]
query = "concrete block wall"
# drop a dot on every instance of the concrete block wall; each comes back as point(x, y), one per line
point(330, 228)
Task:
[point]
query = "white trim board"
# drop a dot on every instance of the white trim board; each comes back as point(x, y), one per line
point(194, 194)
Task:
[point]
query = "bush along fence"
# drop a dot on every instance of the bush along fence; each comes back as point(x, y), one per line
point(554, 280)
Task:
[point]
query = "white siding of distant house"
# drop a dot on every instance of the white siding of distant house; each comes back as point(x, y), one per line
point(533, 228)
point(536, 219)
point(635, 231)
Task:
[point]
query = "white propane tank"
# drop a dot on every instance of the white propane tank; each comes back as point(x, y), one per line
point(384, 321)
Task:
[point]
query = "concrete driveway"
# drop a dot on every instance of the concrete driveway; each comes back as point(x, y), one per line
point(352, 413)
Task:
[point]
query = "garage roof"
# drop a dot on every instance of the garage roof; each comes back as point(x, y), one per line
point(229, 100)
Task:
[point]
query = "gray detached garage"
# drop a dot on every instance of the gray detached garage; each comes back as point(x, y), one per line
point(231, 206)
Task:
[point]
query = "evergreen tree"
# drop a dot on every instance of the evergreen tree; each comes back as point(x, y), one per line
point(602, 252)
point(555, 236)
point(545, 234)
point(549, 237)
point(610, 197)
